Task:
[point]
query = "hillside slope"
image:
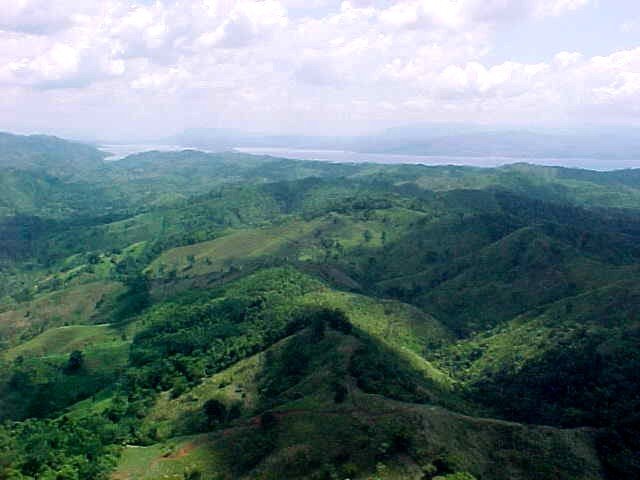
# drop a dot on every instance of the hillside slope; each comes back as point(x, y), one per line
point(208, 316)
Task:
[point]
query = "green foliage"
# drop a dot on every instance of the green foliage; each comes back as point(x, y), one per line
point(378, 370)
point(340, 393)
point(75, 362)
point(524, 300)
point(189, 339)
point(132, 301)
point(42, 386)
point(456, 476)
point(215, 411)
point(60, 448)
point(554, 365)
point(193, 474)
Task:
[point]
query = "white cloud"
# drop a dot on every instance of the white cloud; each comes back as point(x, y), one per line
point(509, 79)
point(458, 14)
point(557, 7)
point(570, 83)
point(567, 59)
point(341, 64)
point(39, 16)
point(168, 80)
point(247, 22)
point(61, 65)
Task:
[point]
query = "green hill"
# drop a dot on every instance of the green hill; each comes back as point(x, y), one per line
point(53, 155)
point(187, 315)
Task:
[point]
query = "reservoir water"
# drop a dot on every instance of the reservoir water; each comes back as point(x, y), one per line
point(118, 152)
point(340, 156)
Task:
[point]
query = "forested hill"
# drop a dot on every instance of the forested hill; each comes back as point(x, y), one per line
point(46, 153)
point(51, 178)
point(188, 315)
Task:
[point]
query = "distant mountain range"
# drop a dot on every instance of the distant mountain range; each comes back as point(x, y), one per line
point(441, 139)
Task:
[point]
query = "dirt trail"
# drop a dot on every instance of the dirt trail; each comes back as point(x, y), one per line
point(183, 452)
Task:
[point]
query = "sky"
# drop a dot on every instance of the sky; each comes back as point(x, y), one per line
point(118, 69)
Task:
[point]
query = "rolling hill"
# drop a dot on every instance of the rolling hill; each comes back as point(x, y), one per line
point(186, 315)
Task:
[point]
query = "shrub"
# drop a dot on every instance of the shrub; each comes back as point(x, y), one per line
point(75, 362)
point(215, 411)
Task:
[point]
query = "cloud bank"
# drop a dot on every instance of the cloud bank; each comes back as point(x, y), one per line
point(319, 66)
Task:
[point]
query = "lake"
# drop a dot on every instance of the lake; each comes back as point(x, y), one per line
point(118, 152)
point(340, 156)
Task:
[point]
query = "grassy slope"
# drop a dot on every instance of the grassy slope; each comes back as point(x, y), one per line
point(235, 247)
point(312, 433)
point(74, 305)
point(406, 329)
point(572, 362)
point(40, 385)
point(557, 184)
point(63, 340)
point(500, 267)
point(486, 448)
point(293, 239)
point(524, 269)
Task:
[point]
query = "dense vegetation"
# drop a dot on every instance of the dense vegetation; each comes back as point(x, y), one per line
point(206, 316)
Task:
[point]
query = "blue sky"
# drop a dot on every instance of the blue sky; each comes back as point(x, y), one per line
point(121, 69)
point(598, 28)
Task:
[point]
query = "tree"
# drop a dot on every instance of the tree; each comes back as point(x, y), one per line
point(7, 453)
point(192, 474)
point(339, 321)
point(215, 411)
point(340, 393)
point(268, 420)
point(75, 362)
point(317, 330)
point(456, 476)
point(179, 387)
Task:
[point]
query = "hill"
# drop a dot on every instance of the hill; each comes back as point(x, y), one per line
point(54, 155)
point(190, 315)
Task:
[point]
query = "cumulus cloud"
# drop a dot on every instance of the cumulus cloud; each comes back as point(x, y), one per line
point(290, 63)
point(505, 80)
point(567, 59)
point(568, 83)
point(458, 14)
point(62, 65)
point(557, 7)
point(246, 23)
point(38, 16)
